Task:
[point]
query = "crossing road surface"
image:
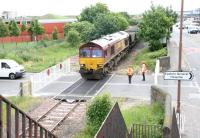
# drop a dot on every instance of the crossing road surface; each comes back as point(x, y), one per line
point(11, 87)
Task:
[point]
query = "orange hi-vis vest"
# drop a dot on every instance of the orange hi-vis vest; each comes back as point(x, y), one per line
point(130, 71)
point(144, 68)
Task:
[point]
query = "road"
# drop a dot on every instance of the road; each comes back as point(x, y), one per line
point(11, 87)
point(190, 97)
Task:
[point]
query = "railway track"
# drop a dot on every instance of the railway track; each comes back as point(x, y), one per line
point(70, 101)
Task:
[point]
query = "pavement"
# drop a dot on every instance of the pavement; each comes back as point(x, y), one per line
point(58, 85)
point(12, 87)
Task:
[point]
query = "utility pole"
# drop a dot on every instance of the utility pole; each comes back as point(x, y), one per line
point(180, 59)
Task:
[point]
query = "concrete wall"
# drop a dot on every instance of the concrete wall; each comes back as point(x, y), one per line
point(40, 80)
point(162, 97)
point(25, 88)
point(164, 63)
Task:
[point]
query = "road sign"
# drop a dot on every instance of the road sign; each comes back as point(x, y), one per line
point(175, 75)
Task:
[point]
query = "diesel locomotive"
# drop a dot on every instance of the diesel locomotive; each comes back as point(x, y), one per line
point(98, 57)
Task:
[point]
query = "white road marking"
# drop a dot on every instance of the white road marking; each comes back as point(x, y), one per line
point(148, 84)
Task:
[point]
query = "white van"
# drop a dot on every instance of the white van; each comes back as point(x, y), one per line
point(10, 68)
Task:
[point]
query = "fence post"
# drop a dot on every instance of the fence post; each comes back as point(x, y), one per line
point(25, 88)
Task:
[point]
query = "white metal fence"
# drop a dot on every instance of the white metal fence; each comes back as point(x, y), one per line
point(39, 80)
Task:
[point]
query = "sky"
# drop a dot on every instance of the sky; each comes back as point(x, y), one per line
point(74, 7)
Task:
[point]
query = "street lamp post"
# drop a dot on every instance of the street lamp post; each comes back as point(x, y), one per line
point(180, 59)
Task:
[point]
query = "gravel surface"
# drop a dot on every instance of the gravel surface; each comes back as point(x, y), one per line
point(73, 124)
point(129, 60)
point(43, 108)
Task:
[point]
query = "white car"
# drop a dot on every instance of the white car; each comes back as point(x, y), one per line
point(10, 68)
point(193, 30)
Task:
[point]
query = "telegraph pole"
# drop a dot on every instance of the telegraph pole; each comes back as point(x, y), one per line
point(180, 59)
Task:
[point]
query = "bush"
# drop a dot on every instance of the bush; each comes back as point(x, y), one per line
point(97, 111)
point(73, 38)
point(149, 58)
point(155, 45)
point(3, 54)
point(55, 34)
point(144, 114)
point(44, 43)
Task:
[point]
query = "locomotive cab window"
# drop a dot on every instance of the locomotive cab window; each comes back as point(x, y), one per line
point(84, 53)
point(97, 53)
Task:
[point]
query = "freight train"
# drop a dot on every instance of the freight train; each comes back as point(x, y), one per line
point(98, 57)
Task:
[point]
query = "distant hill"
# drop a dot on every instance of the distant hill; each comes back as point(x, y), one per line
point(51, 16)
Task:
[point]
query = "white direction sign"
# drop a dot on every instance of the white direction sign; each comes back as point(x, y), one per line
point(175, 75)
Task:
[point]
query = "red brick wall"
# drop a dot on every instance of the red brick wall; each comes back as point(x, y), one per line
point(27, 38)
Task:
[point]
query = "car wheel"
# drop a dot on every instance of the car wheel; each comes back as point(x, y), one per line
point(12, 76)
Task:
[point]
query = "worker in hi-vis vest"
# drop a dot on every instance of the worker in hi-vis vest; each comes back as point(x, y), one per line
point(143, 70)
point(130, 73)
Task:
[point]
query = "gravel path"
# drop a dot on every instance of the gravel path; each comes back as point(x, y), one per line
point(123, 65)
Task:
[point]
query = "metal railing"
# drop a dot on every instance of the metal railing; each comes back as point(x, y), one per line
point(146, 131)
point(20, 122)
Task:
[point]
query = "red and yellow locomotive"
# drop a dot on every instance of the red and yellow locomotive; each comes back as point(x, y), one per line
point(100, 56)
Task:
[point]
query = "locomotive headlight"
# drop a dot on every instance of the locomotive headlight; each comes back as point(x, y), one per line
point(82, 65)
point(99, 65)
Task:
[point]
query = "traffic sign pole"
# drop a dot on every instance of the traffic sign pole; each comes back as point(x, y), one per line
point(180, 60)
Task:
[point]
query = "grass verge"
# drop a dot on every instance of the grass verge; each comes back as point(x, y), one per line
point(25, 103)
point(149, 58)
point(143, 114)
point(37, 56)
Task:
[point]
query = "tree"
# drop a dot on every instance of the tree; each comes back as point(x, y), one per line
point(73, 38)
point(35, 29)
point(155, 26)
point(4, 31)
point(31, 29)
point(130, 20)
point(106, 24)
point(171, 14)
point(39, 30)
point(122, 22)
point(85, 29)
point(23, 27)
point(55, 33)
point(13, 28)
point(91, 13)
point(65, 29)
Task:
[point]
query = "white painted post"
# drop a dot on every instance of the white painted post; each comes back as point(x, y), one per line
point(157, 71)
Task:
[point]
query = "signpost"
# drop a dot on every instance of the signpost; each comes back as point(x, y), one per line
point(176, 75)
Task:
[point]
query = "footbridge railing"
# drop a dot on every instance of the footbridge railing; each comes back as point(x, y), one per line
point(14, 122)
